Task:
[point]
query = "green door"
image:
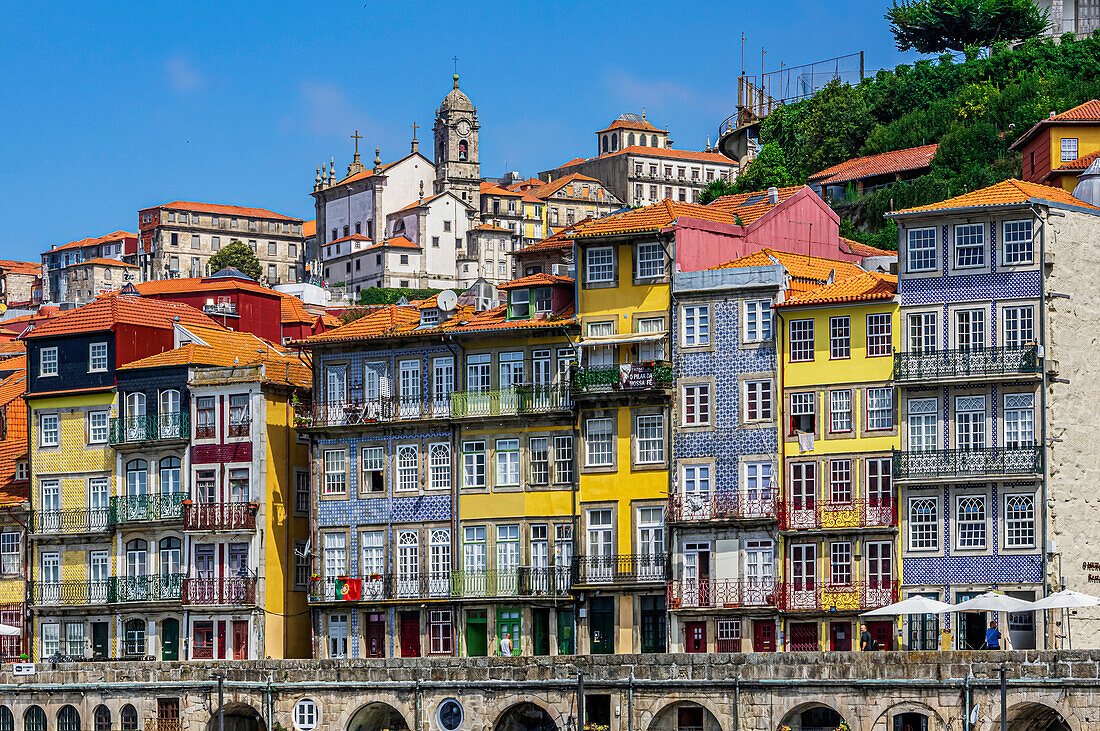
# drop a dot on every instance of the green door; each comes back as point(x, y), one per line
point(602, 624)
point(508, 623)
point(476, 640)
point(566, 645)
point(170, 639)
point(540, 631)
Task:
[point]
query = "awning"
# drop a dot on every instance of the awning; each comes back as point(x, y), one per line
point(623, 339)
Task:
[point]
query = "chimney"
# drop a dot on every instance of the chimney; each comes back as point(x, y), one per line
point(773, 196)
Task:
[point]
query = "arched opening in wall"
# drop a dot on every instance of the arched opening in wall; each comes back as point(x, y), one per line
point(68, 719)
point(910, 722)
point(101, 718)
point(684, 716)
point(237, 717)
point(1034, 717)
point(525, 716)
point(7, 719)
point(34, 719)
point(376, 717)
point(813, 717)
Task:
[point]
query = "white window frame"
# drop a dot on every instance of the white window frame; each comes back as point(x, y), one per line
point(336, 472)
point(1069, 152)
point(696, 400)
point(47, 362)
point(648, 266)
point(980, 539)
point(473, 463)
point(506, 472)
point(589, 442)
point(1016, 525)
point(840, 337)
point(439, 466)
point(98, 433)
point(652, 446)
point(840, 407)
point(880, 409)
point(97, 361)
point(924, 532)
point(920, 242)
point(695, 325)
point(1018, 326)
point(591, 263)
point(45, 431)
point(880, 335)
point(758, 321)
point(538, 460)
point(973, 245)
point(306, 715)
point(1022, 249)
point(804, 344)
point(373, 460)
point(564, 460)
point(408, 475)
point(760, 392)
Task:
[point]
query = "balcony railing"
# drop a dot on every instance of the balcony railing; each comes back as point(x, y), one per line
point(623, 569)
point(521, 581)
point(151, 588)
point(511, 401)
point(163, 724)
point(70, 592)
point(628, 377)
point(838, 514)
point(233, 591)
point(11, 648)
point(71, 521)
point(723, 593)
point(967, 463)
point(236, 516)
point(856, 596)
point(145, 508)
point(150, 427)
point(760, 505)
point(935, 365)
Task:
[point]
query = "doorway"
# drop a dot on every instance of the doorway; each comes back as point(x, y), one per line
point(840, 636)
point(763, 635)
point(803, 637)
point(170, 639)
point(410, 634)
point(100, 638)
point(972, 625)
point(508, 622)
point(566, 644)
point(240, 639)
point(910, 722)
point(477, 644)
point(653, 623)
point(374, 635)
point(695, 639)
point(883, 632)
point(540, 631)
point(602, 624)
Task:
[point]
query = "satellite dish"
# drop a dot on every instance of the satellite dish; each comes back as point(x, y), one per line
point(447, 300)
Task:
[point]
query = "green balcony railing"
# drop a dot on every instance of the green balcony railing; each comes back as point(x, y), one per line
point(966, 363)
point(151, 588)
point(145, 508)
point(510, 401)
point(966, 463)
point(625, 377)
point(150, 427)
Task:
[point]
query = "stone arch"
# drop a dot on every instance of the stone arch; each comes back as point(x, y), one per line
point(376, 716)
point(238, 716)
point(884, 721)
point(528, 715)
point(1033, 716)
point(817, 714)
point(684, 715)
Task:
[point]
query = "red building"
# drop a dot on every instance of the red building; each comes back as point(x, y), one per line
point(230, 298)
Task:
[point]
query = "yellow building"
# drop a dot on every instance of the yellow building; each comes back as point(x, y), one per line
point(1058, 149)
point(838, 514)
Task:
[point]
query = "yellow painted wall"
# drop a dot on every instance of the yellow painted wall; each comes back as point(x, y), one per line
point(74, 455)
point(1087, 136)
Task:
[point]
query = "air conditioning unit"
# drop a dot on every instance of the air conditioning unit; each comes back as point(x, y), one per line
point(560, 270)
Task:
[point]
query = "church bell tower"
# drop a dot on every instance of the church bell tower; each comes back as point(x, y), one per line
point(456, 147)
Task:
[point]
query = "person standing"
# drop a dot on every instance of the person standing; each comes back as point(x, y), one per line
point(993, 637)
point(866, 641)
point(506, 645)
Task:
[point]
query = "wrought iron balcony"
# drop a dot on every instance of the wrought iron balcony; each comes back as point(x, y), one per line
point(625, 378)
point(149, 428)
point(719, 506)
point(838, 514)
point(951, 365)
point(70, 592)
point(518, 582)
point(968, 463)
point(723, 593)
point(71, 521)
point(511, 401)
point(855, 596)
point(163, 724)
point(229, 591)
point(146, 508)
point(620, 570)
point(149, 588)
point(238, 516)
point(522, 581)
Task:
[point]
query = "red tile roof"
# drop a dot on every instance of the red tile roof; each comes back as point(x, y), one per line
point(1087, 113)
point(490, 227)
point(750, 206)
point(379, 322)
point(535, 280)
point(643, 124)
point(292, 310)
point(201, 284)
point(864, 287)
point(10, 266)
point(101, 262)
point(806, 272)
point(95, 240)
point(855, 247)
point(309, 228)
point(1080, 163)
point(222, 210)
point(1006, 193)
point(109, 310)
point(547, 190)
point(559, 241)
point(661, 152)
point(14, 447)
point(650, 218)
point(368, 173)
point(489, 188)
point(886, 163)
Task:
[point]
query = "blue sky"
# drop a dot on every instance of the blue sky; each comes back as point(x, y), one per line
point(109, 107)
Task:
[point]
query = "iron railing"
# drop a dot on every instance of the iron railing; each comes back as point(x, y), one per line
point(627, 377)
point(150, 427)
point(71, 592)
point(856, 596)
point(150, 588)
point(838, 514)
point(728, 593)
point(163, 724)
point(621, 569)
point(511, 401)
point(71, 521)
point(760, 505)
point(235, 591)
point(237, 516)
point(521, 581)
point(965, 463)
point(932, 365)
point(144, 508)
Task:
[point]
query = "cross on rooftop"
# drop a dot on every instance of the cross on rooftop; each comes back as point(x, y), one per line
point(357, 137)
point(414, 128)
point(455, 59)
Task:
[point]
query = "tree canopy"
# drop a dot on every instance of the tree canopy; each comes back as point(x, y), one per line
point(239, 256)
point(715, 189)
point(931, 26)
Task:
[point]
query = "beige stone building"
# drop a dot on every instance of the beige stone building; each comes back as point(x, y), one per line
point(86, 280)
point(575, 197)
point(115, 245)
point(20, 283)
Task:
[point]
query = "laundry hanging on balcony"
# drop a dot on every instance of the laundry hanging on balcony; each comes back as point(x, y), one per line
point(805, 441)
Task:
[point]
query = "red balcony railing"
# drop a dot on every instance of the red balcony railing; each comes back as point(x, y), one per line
point(234, 591)
point(723, 593)
point(855, 596)
point(728, 645)
point(838, 514)
point(723, 506)
point(219, 516)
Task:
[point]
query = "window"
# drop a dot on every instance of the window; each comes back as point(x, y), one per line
point(758, 321)
point(922, 332)
point(970, 422)
point(335, 472)
point(922, 424)
point(969, 245)
point(272, 248)
point(598, 442)
point(520, 304)
point(802, 340)
point(1019, 420)
point(802, 413)
point(544, 300)
point(880, 335)
point(1069, 149)
point(840, 337)
point(473, 464)
point(970, 521)
point(408, 467)
point(440, 636)
point(97, 357)
point(450, 715)
point(507, 462)
point(204, 417)
point(921, 249)
point(1018, 242)
point(923, 524)
point(1019, 521)
point(373, 469)
point(97, 427)
point(305, 715)
point(101, 720)
point(697, 404)
point(841, 555)
point(335, 555)
point(840, 480)
point(302, 566)
point(539, 460)
point(599, 264)
point(840, 411)
point(563, 459)
point(439, 466)
point(238, 415)
point(650, 439)
point(273, 272)
point(338, 635)
point(134, 637)
point(9, 553)
point(880, 402)
point(48, 431)
point(696, 325)
point(758, 400)
point(1019, 326)
point(650, 261)
point(47, 362)
point(194, 241)
point(969, 329)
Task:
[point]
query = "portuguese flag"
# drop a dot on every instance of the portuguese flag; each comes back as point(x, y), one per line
point(349, 589)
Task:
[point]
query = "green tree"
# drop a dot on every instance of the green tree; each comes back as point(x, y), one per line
point(768, 168)
point(931, 26)
point(715, 189)
point(239, 256)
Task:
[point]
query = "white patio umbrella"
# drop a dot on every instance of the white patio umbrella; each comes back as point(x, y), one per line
point(994, 601)
point(912, 605)
point(8, 631)
point(1067, 599)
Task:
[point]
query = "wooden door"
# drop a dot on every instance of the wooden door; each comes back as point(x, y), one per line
point(540, 631)
point(840, 636)
point(602, 624)
point(410, 634)
point(170, 639)
point(696, 636)
point(374, 635)
point(883, 632)
point(763, 635)
point(477, 641)
point(240, 639)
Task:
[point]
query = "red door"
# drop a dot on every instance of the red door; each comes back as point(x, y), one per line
point(221, 640)
point(763, 636)
point(375, 635)
point(696, 636)
point(883, 632)
point(840, 636)
point(240, 640)
point(803, 637)
point(410, 634)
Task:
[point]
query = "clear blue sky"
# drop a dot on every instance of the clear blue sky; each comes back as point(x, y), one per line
point(109, 107)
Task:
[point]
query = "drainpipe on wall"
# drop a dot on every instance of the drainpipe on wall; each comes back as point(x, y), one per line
point(26, 584)
point(456, 485)
point(1043, 485)
point(780, 452)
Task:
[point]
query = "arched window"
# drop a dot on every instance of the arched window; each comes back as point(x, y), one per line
point(135, 404)
point(305, 715)
point(137, 557)
point(463, 150)
point(128, 718)
point(170, 556)
point(654, 142)
point(399, 226)
point(605, 149)
point(643, 140)
point(169, 401)
point(614, 142)
point(34, 719)
point(68, 719)
point(169, 480)
point(134, 641)
point(630, 139)
point(137, 478)
point(7, 719)
point(168, 415)
point(101, 717)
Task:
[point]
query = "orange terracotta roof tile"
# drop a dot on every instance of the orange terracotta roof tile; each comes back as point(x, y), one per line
point(1006, 193)
point(490, 188)
point(101, 262)
point(1080, 163)
point(381, 321)
point(368, 173)
point(864, 287)
point(95, 241)
point(12, 347)
point(20, 267)
point(547, 190)
point(109, 310)
point(14, 446)
point(650, 218)
point(751, 206)
point(806, 272)
point(550, 243)
point(222, 210)
point(660, 152)
point(352, 237)
point(417, 203)
point(885, 163)
point(490, 227)
point(642, 124)
point(14, 362)
point(201, 284)
point(855, 247)
point(535, 280)
point(292, 310)
point(309, 228)
point(1087, 113)
point(399, 241)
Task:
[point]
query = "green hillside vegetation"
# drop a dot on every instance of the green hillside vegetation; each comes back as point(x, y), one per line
point(975, 109)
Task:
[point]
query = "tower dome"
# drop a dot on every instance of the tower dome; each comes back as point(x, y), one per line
point(456, 101)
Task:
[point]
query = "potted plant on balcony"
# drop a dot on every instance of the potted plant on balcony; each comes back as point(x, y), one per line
point(253, 507)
